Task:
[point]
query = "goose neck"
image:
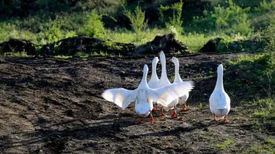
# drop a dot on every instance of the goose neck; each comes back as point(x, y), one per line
point(154, 71)
point(177, 75)
point(219, 83)
point(143, 83)
point(163, 67)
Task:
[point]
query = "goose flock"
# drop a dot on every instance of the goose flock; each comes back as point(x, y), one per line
point(161, 93)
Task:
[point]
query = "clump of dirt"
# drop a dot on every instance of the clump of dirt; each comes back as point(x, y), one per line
point(55, 106)
point(17, 45)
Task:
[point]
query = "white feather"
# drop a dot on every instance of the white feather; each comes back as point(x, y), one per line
point(120, 96)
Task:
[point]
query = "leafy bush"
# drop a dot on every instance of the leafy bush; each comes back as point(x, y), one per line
point(138, 21)
point(176, 20)
point(93, 26)
point(232, 19)
point(264, 6)
point(269, 34)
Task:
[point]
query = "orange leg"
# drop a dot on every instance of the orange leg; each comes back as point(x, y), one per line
point(174, 115)
point(184, 108)
point(225, 120)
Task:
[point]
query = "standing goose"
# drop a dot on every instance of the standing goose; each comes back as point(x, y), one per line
point(154, 81)
point(219, 100)
point(182, 100)
point(143, 96)
point(164, 81)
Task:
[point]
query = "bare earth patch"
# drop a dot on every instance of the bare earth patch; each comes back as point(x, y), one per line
point(54, 106)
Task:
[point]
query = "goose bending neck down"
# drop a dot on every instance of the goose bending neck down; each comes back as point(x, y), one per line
point(182, 100)
point(219, 99)
point(143, 96)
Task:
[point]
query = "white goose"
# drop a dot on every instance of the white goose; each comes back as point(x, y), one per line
point(143, 96)
point(154, 81)
point(164, 81)
point(219, 100)
point(182, 100)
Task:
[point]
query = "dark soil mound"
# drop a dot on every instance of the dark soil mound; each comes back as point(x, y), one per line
point(17, 45)
point(167, 43)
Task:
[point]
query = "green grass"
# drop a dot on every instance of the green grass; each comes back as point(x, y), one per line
point(251, 77)
point(267, 147)
point(200, 106)
point(62, 57)
point(224, 144)
point(16, 54)
point(263, 111)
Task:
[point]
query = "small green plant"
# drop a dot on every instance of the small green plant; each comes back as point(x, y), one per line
point(270, 141)
point(176, 20)
point(138, 21)
point(82, 54)
point(224, 144)
point(54, 33)
point(16, 54)
point(269, 34)
point(93, 25)
point(62, 56)
point(221, 16)
point(232, 19)
point(200, 106)
point(267, 147)
point(264, 6)
point(162, 9)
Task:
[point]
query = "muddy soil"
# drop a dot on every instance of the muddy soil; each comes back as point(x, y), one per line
point(55, 106)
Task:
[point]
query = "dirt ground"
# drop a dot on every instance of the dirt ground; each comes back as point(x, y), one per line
point(55, 106)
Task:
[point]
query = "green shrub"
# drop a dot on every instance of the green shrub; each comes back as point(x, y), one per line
point(93, 26)
point(232, 19)
point(176, 20)
point(221, 15)
point(264, 6)
point(269, 34)
point(54, 33)
point(138, 21)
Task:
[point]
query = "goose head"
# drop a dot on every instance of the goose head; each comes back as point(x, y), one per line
point(162, 57)
point(145, 69)
point(155, 61)
point(175, 60)
point(177, 65)
point(220, 68)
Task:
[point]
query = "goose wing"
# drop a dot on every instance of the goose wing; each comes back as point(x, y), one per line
point(120, 96)
point(167, 94)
